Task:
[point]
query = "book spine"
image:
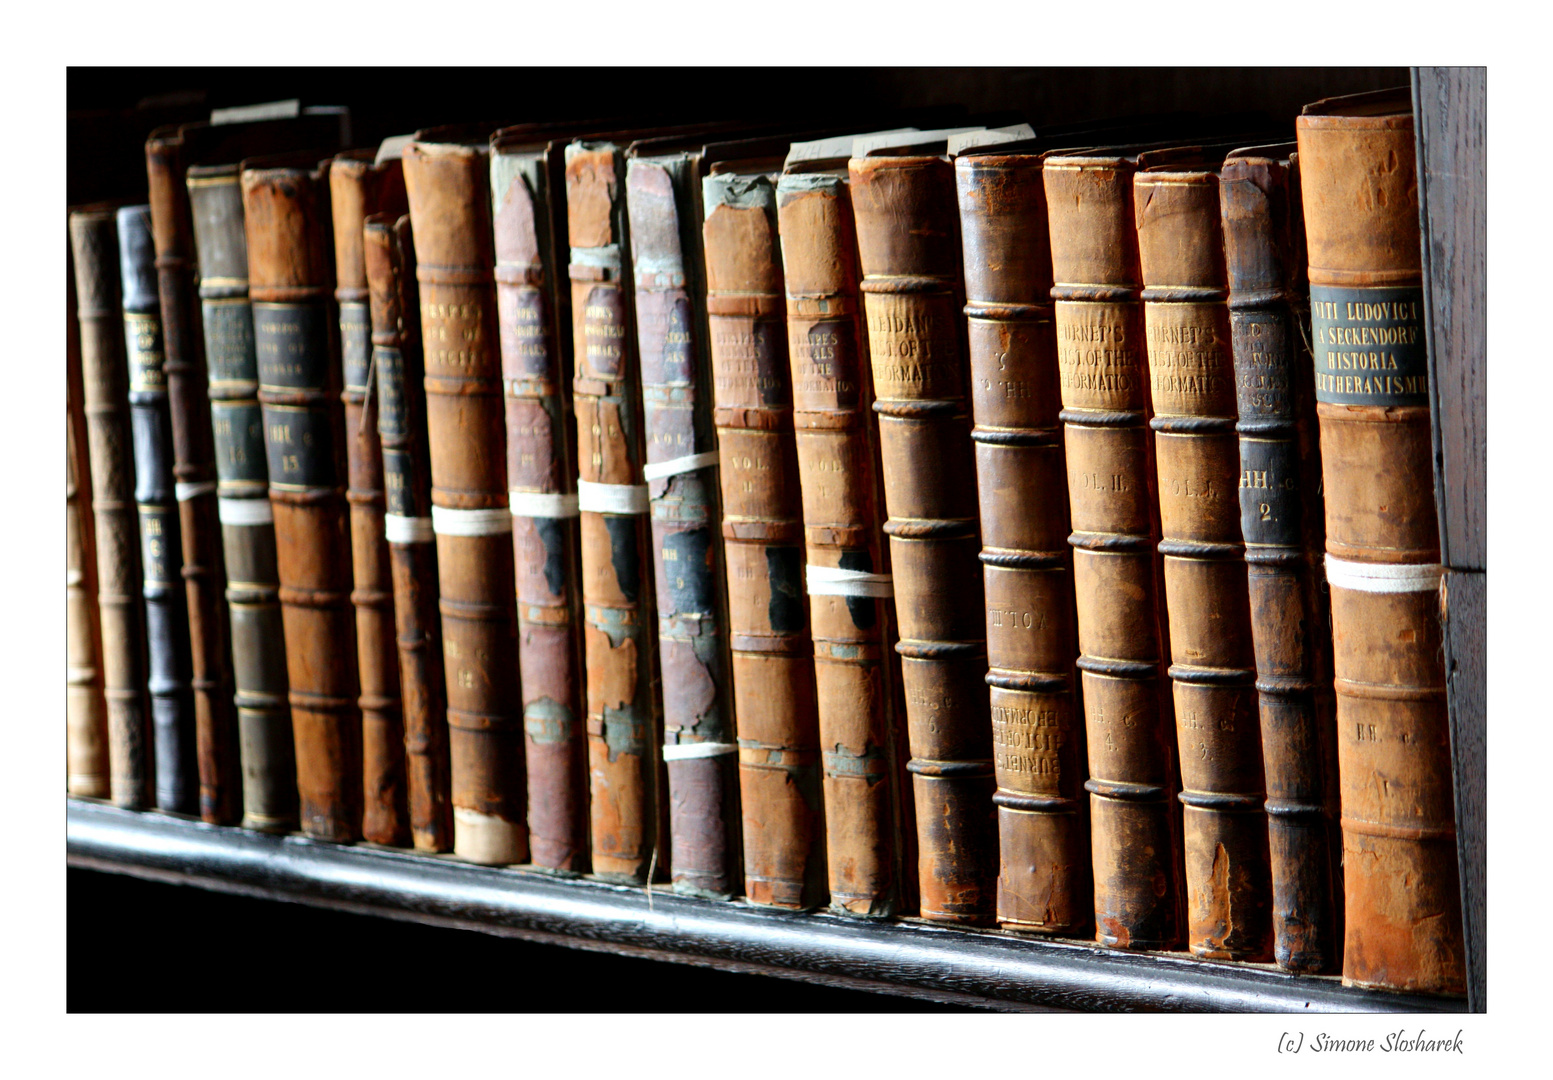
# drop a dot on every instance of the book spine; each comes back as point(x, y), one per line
point(86, 711)
point(1027, 566)
point(1101, 359)
point(700, 754)
point(1281, 519)
point(389, 262)
point(194, 473)
point(450, 207)
point(358, 188)
point(624, 724)
point(167, 613)
point(908, 233)
point(243, 505)
point(105, 380)
point(856, 670)
point(286, 211)
point(1213, 673)
point(1403, 928)
point(536, 364)
point(773, 655)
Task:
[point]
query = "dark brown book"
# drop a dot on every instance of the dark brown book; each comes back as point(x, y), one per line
point(398, 370)
point(86, 711)
point(534, 315)
point(859, 704)
point(908, 232)
point(1197, 455)
point(447, 176)
point(624, 725)
point(1403, 928)
point(291, 286)
point(1122, 632)
point(1282, 520)
point(105, 378)
point(1044, 877)
point(194, 471)
point(358, 187)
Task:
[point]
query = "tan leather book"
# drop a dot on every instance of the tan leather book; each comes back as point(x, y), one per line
point(398, 371)
point(291, 285)
point(447, 176)
point(1403, 928)
point(1027, 566)
point(1197, 455)
point(362, 183)
point(908, 231)
point(1122, 632)
point(1282, 520)
point(86, 710)
point(94, 248)
point(860, 709)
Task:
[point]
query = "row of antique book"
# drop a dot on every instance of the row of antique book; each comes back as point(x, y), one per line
point(984, 524)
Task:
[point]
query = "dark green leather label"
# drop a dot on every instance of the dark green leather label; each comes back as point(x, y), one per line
point(1369, 346)
point(239, 430)
point(300, 447)
point(1269, 491)
point(229, 355)
point(355, 344)
point(398, 469)
point(292, 345)
point(392, 421)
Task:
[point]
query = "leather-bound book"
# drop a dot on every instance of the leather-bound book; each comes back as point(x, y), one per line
point(194, 473)
point(1197, 455)
point(447, 176)
point(389, 258)
point(291, 286)
point(1282, 520)
point(1044, 881)
point(1403, 928)
point(908, 232)
point(94, 245)
point(167, 613)
point(362, 183)
point(624, 722)
point(859, 705)
point(1102, 366)
point(533, 304)
point(86, 711)
point(700, 754)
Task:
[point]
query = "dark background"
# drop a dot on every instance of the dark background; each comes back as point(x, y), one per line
point(181, 943)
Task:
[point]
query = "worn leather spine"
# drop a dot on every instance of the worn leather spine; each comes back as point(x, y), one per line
point(86, 710)
point(1281, 518)
point(773, 655)
point(258, 640)
point(291, 285)
point(624, 725)
point(1101, 358)
point(533, 303)
point(701, 757)
point(105, 379)
point(388, 258)
point(194, 473)
point(908, 234)
point(1027, 567)
point(1403, 928)
point(856, 670)
point(167, 613)
point(1197, 456)
point(358, 187)
point(450, 208)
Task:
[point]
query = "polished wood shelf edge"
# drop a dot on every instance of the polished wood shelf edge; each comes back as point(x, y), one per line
point(981, 968)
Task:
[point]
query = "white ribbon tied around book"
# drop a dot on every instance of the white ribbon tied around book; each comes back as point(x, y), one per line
point(244, 511)
point(541, 504)
point(675, 466)
point(446, 522)
point(834, 581)
point(688, 751)
point(398, 529)
point(187, 492)
point(1384, 577)
point(611, 498)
